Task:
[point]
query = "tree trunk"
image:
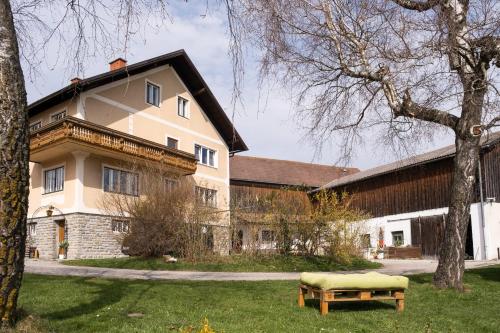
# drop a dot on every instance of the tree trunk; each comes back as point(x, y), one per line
point(450, 270)
point(14, 167)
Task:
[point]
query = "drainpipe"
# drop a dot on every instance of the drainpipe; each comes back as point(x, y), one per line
point(482, 208)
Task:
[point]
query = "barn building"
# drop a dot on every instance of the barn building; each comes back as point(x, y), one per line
point(408, 201)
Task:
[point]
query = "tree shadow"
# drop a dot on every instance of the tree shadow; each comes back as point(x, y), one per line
point(487, 273)
point(107, 294)
point(421, 278)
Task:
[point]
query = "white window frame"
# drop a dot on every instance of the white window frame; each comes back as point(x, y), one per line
point(216, 156)
point(53, 167)
point(204, 201)
point(271, 232)
point(121, 170)
point(31, 228)
point(172, 137)
point(124, 226)
point(53, 114)
point(146, 82)
point(187, 111)
point(174, 182)
point(35, 123)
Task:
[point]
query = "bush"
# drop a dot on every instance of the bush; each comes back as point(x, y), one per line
point(166, 218)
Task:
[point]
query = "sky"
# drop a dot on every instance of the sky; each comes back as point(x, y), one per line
point(265, 120)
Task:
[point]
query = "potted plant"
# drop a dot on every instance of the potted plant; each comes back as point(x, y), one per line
point(63, 249)
point(50, 210)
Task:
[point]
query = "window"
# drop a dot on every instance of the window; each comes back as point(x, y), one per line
point(119, 181)
point(397, 238)
point(58, 116)
point(366, 241)
point(31, 229)
point(182, 107)
point(171, 184)
point(268, 236)
point(172, 143)
point(54, 180)
point(152, 94)
point(35, 126)
point(120, 226)
point(204, 155)
point(206, 196)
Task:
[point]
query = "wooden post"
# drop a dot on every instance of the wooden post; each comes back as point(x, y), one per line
point(323, 304)
point(400, 300)
point(400, 305)
point(301, 297)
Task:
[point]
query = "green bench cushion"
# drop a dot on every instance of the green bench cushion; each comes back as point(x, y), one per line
point(371, 280)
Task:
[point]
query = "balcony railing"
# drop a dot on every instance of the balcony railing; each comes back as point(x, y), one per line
point(80, 131)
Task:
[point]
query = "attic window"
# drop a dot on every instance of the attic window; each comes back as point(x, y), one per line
point(152, 94)
point(182, 107)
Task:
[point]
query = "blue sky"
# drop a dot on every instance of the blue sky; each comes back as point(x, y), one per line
point(267, 124)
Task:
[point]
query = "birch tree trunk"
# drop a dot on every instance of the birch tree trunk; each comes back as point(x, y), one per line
point(14, 167)
point(450, 271)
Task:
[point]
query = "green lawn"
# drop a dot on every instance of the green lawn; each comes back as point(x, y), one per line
point(233, 263)
point(69, 304)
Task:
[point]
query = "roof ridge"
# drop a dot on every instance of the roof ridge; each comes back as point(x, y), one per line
point(292, 161)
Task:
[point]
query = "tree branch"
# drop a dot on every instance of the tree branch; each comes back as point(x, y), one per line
point(489, 49)
point(493, 123)
point(411, 110)
point(417, 5)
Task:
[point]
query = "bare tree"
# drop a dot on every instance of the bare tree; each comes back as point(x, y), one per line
point(74, 30)
point(14, 166)
point(410, 67)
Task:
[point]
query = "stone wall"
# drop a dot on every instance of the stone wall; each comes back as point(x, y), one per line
point(88, 235)
point(91, 236)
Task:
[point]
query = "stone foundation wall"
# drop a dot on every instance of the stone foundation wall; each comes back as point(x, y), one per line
point(88, 235)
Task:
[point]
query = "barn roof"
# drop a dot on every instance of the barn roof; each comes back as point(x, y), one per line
point(435, 155)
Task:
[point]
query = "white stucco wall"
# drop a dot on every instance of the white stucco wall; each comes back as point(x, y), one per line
point(486, 245)
point(398, 222)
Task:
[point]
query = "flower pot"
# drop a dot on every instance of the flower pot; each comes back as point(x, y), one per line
point(380, 255)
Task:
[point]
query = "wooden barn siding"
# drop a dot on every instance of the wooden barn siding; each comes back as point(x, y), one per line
point(491, 172)
point(418, 188)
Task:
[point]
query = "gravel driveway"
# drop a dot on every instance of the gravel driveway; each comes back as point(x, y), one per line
point(393, 267)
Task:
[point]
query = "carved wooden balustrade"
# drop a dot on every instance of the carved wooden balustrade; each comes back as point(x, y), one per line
point(70, 129)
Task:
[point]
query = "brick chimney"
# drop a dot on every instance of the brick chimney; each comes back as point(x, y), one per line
point(117, 64)
point(75, 80)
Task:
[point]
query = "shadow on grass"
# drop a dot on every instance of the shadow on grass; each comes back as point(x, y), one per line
point(108, 293)
point(487, 273)
point(351, 306)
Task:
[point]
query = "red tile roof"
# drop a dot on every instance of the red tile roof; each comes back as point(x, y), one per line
point(281, 172)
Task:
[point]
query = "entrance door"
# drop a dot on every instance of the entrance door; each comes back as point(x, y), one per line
point(61, 236)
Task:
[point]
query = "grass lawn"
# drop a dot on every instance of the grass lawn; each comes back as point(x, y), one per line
point(233, 263)
point(69, 304)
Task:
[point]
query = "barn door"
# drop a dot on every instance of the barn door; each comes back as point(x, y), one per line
point(427, 232)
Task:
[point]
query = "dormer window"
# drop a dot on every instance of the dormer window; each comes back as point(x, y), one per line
point(182, 107)
point(152, 94)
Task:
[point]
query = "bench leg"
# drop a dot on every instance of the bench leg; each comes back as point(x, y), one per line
point(323, 307)
point(301, 297)
point(400, 305)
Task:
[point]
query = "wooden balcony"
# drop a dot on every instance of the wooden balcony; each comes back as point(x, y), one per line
point(70, 134)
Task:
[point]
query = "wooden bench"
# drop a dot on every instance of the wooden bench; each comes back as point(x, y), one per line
point(334, 295)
